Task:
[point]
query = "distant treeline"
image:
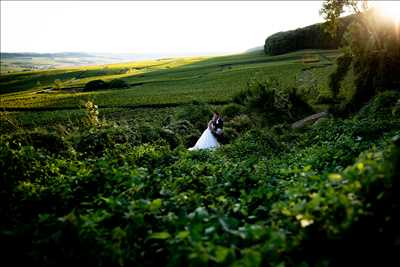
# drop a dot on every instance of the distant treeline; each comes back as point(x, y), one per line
point(310, 37)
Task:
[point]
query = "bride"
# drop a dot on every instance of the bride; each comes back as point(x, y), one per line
point(208, 140)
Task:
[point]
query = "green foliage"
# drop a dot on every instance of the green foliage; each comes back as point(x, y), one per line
point(197, 114)
point(103, 193)
point(342, 66)
point(231, 110)
point(331, 10)
point(57, 84)
point(185, 132)
point(376, 57)
point(241, 123)
point(396, 109)
point(95, 85)
point(98, 84)
point(273, 103)
point(381, 106)
point(129, 194)
point(310, 37)
point(97, 141)
point(206, 80)
point(118, 83)
point(92, 114)
point(372, 52)
point(38, 138)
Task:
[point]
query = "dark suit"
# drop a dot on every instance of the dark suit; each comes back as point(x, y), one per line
point(217, 126)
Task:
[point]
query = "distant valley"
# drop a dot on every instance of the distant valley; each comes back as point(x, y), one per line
point(15, 62)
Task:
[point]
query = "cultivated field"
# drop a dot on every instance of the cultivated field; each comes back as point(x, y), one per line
point(32, 98)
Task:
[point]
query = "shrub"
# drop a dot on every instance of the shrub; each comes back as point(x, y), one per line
point(271, 197)
point(230, 134)
point(184, 131)
point(19, 163)
point(57, 84)
point(92, 114)
point(231, 110)
point(148, 133)
point(274, 103)
point(298, 107)
point(396, 109)
point(95, 85)
point(240, 123)
point(38, 138)
point(170, 137)
point(343, 64)
point(197, 114)
point(96, 141)
point(380, 106)
point(259, 142)
point(239, 97)
point(118, 83)
point(323, 99)
point(182, 127)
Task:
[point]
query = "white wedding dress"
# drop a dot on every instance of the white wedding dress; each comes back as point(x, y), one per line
point(206, 141)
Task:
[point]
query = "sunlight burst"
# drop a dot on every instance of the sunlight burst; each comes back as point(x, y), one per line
point(389, 9)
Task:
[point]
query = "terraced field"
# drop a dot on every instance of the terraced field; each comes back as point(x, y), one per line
point(159, 83)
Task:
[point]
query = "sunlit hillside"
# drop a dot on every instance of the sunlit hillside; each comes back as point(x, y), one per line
point(164, 82)
point(284, 155)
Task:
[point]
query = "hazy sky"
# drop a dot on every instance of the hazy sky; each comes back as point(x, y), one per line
point(148, 27)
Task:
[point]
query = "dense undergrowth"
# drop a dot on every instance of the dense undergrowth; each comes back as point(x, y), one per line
point(107, 194)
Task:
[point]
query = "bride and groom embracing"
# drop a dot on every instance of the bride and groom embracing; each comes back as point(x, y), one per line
point(210, 137)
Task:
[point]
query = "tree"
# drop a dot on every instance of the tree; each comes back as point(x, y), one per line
point(332, 9)
point(371, 48)
point(57, 84)
point(95, 85)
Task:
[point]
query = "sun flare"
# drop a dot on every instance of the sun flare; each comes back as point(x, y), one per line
point(389, 9)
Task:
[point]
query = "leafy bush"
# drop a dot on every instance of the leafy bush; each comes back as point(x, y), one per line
point(148, 132)
point(380, 106)
point(96, 141)
point(323, 99)
point(342, 67)
point(170, 137)
point(92, 114)
point(120, 195)
point(117, 83)
point(271, 102)
point(197, 114)
point(230, 134)
point(38, 138)
point(101, 85)
point(231, 110)
point(396, 109)
point(185, 131)
point(298, 107)
point(241, 123)
point(95, 85)
point(256, 142)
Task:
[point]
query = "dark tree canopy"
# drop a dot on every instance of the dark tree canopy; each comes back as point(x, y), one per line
point(95, 85)
point(117, 83)
point(100, 85)
point(311, 37)
point(372, 51)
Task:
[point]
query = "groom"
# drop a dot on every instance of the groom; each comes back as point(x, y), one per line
point(217, 123)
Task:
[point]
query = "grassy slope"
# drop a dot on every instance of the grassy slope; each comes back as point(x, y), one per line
point(158, 83)
point(273, 197)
